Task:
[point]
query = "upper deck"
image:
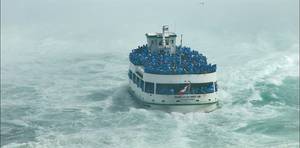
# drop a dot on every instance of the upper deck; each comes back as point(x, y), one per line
point(184, 61)
point(165, 58)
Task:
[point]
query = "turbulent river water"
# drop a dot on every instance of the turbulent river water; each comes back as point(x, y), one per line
point(62, 86)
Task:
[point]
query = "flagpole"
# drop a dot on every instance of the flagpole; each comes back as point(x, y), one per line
point(190, 86)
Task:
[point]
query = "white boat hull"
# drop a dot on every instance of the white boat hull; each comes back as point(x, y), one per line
point(175, 103)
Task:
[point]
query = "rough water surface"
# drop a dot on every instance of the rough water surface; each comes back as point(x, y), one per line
point(62, 86)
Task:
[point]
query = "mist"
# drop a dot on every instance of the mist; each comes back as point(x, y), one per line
point(89, 26)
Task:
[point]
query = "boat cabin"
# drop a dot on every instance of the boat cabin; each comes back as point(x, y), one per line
point(164, 42)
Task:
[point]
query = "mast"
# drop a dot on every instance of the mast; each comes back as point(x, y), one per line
point(164, 30)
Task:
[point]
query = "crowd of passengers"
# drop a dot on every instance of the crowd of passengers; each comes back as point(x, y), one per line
point(184, 61)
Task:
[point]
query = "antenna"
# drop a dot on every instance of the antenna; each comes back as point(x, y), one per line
point(181, 40)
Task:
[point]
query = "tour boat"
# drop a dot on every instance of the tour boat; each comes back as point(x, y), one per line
point(165, 76)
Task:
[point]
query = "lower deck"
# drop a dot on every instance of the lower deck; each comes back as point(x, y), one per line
point(177, 107)
point(175, 99)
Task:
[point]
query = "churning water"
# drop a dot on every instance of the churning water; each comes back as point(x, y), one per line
point(64, 74)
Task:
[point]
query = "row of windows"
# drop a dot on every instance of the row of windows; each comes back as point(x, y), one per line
point(147, 87)
point(160, 42)
point(173, 89)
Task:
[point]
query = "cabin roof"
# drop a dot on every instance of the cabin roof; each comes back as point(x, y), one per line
point(159, 35)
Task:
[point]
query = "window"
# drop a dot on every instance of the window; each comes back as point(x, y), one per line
point(149, 87)
point(142, 85)
point(216, 86)
point(137, 81)
point(134, 78)
point(172, 41)
point(176, 89)
point(202, 88)
point(130, 74)
point(169, 89)
point(167, 42)
point(160, 43)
